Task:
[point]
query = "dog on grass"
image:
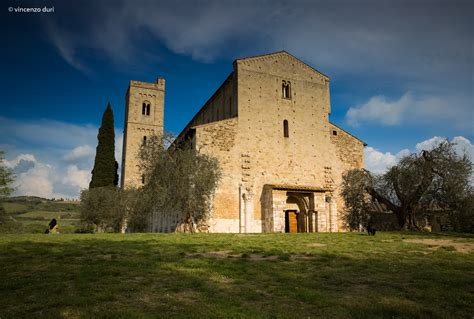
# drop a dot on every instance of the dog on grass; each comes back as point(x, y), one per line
point(371, 230)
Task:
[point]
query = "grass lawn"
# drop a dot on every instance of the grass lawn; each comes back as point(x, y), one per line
point(391, 275)
point(12, 208)
point(48, 215)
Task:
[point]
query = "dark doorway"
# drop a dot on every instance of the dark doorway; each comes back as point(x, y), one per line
point(291, 221)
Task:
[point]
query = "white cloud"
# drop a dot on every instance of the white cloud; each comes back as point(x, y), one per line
point(47, 180)
point(79, 152)
point(374, 44)
point(22, 157)
point(51, 158)
point(379, 162)
point(379, 109)
point(464, 146)
point(337, 34)
point(413, 109)
point(76, 177)
point(65, 45)
point(430, 144)
point(35, 181)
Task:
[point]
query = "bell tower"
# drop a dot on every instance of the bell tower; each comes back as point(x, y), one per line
point(144, 113)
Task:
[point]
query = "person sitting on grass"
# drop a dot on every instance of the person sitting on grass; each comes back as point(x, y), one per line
point(52, 227)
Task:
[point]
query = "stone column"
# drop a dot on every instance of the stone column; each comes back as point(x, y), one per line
point(241, 210)
point(332, 215)
point(311, 221)
point(315, 221)
point(279, 202)
point(324, 220)
point(248, 206)
point(323, 216)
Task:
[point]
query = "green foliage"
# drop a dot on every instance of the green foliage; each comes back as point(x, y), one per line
point(178, 180)
point(436, 181)
point(6, 178)
point(99, 208)
point(104, 172)
point(106, 209)
point(357, 207)
point(2, 215)
point(462, 214)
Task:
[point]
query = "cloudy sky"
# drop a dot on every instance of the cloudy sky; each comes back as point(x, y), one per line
point(402, 72)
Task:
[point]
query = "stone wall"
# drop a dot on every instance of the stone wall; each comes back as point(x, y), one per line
point(218, 140)
point(221, 105)
point(349, 155)
point(253, 151)
point(243, 126)
point(274, 159)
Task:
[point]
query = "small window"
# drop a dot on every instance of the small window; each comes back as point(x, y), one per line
point(143, 179)
point(334, 132)
point(286, 131)
point(144, 140)
point(286, 89)
point(143, 108)
point(148, 109)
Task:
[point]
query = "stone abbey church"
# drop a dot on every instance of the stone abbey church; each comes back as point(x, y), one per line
point(268, 125)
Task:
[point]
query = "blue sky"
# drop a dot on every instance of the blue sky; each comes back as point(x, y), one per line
point(401, 71)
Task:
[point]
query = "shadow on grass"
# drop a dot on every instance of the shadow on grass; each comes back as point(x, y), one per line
point(147, 275)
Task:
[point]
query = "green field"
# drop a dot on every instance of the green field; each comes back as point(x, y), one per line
point(351, 275)
point(32, 215)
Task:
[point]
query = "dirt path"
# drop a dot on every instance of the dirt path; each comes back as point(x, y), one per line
point(436, 243)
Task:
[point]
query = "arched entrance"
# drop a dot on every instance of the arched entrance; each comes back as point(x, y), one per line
point(296, 213)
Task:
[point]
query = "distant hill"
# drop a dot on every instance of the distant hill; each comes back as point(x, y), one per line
point(36, 199)
point(26, 199)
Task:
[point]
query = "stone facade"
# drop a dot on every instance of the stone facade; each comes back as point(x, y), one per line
point(281, 159)
point(144, 107)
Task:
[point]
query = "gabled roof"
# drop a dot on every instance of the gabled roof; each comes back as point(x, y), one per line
point(365, 144)
point(190, 123)
point(285, 53)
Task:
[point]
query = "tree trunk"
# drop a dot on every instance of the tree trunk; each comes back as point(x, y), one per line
point(123, 227)
point(401, 217)
point(411, 220)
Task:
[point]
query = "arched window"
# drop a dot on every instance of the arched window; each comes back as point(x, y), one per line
point(286, 130)
point(146, 108)
point(286, 89)
point(143, 179)
point(144, 140)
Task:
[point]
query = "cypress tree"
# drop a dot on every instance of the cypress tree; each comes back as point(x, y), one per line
point(105, 170)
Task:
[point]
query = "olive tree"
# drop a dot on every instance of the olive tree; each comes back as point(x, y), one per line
point(106, 209)
point(178, 180)
point(6, 179)
point(437, 178)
